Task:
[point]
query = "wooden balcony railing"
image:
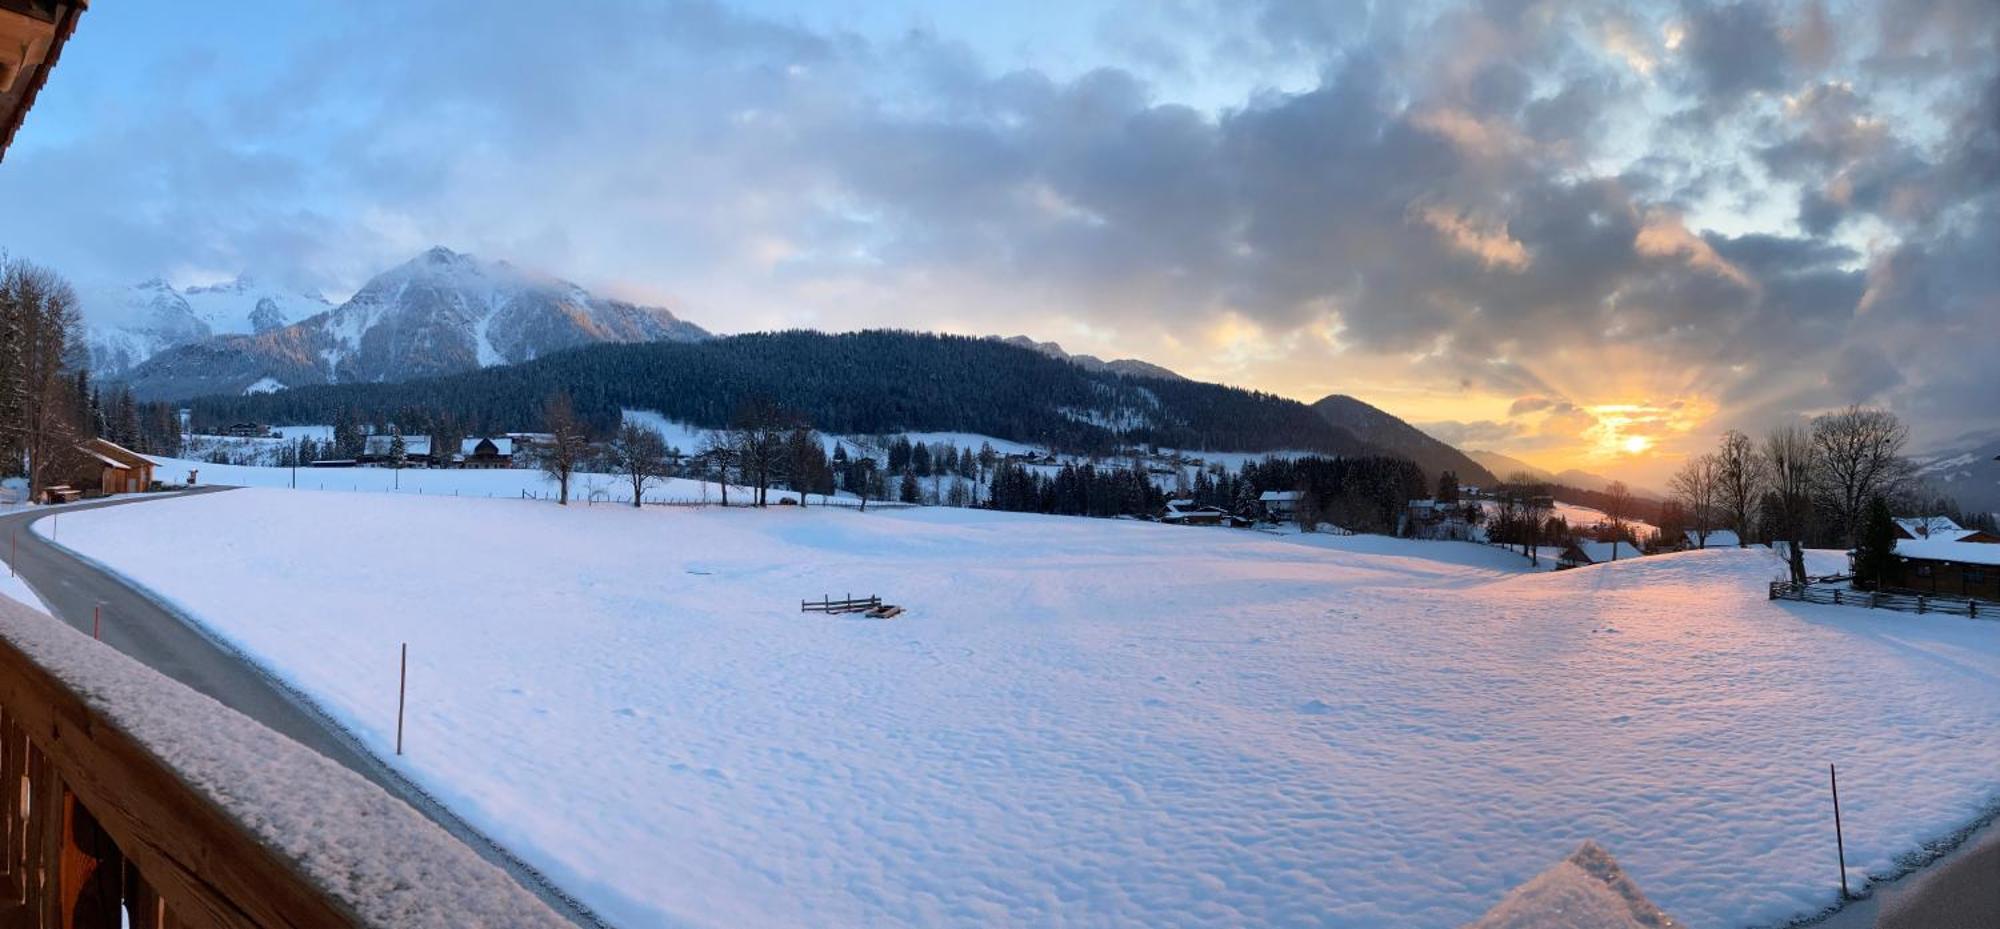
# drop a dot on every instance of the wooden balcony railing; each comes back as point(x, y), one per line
point(128, 799)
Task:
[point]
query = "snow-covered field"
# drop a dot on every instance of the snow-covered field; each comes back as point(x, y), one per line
point(498, 483)
point(1087, 722)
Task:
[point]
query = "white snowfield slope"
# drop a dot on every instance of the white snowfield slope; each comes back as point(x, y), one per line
point(1088, 722)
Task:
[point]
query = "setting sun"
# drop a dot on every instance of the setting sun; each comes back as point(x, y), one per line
point(1634, 445)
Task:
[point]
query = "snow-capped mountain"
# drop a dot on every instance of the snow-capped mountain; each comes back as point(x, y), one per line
point(1131, 367)
point(439, 313)
point(1969, 470)
point(128, 325)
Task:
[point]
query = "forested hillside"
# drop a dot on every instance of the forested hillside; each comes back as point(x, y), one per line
point(852, 383)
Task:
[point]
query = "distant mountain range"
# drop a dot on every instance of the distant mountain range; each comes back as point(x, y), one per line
point(1583, 480)
point(1131, 366)
point(1966, 469)
point(439, 313)
point(129, 325)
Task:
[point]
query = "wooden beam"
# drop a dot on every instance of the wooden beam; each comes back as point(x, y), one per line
point(211, 871)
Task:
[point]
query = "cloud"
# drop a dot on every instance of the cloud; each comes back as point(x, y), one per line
point(1499, 203)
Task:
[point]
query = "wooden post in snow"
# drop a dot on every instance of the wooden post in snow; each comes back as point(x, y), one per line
point(402, 687)
point(1839, 843)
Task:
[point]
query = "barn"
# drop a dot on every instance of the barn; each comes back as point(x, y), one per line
point(105, 467)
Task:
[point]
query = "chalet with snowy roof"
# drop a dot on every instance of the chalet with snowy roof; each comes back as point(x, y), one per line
point(1947, 568)
point(486, 453)
point(379, 449)
point(1715, 538)
point(1940, 529)
point(247, 431)
point(1186, 513)
point(102, 466)
point(1580, 554)
point(1279, 505)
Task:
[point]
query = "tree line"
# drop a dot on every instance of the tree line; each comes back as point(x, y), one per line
point(48, 404)
point(1819, 483)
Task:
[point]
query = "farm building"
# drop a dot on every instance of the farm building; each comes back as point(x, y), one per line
point(105, 467)
point(1279, 505)
point(1715, 538)
point(1578, 554)
point(1186, 513)
point(1940, 529)
point(1948, 568)
point(484, 453)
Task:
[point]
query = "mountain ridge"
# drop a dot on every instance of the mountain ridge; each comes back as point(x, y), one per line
point(439, 313)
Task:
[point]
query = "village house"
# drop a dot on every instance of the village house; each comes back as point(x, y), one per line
point(376, 450)
point(103, 467)
point(1186, 513)
point(1716, 538)
point(486, 453)
point(247, 431)
point(1940, 529)
point(1279, 505)
point(1579, 554)
point(1954, 568)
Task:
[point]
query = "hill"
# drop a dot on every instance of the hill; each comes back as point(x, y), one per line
point(1392, 435)
point(852, 383)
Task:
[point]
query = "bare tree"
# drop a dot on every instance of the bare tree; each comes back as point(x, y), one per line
point(1618, 508)
point(718, 448)
point(640, 454)
point(566, 446)
point(1858, 457)
point(1695, 486)
point(1790, 451)
point(1740, 473)
point(759, 436)
point(39, 342)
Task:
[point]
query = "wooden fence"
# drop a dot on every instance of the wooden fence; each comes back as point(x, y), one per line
point(1841, 595)
point(849, 605)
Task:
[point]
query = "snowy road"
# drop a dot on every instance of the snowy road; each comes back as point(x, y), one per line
point(81, 594)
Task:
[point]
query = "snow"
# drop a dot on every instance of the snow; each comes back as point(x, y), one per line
point(369, 852)
point(1587, 890)
point(1979, 553)
point(501, 483)
point(14, 588)
point(1087, 722)
point(265, 385)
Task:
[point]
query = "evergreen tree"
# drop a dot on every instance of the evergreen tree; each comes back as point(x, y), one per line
point(1875, 557)
point(910, 491)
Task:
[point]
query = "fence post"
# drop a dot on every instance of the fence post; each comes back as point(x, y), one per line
point(1839, 841)
point(402, 687)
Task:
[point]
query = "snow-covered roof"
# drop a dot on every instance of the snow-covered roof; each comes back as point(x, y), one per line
point(1424, 504)
point(1932, 527)
point(1279, 496)
point(1978, 553)
point(1717, 538)
point(412, 445)
point(1601, 552)
point(501, 445)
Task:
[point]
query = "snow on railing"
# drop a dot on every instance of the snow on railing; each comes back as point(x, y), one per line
point(148, 804)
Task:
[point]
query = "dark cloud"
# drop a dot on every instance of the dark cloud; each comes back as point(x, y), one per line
point(1490, 193)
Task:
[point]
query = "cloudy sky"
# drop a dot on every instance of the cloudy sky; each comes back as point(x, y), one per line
point(1589, 234)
